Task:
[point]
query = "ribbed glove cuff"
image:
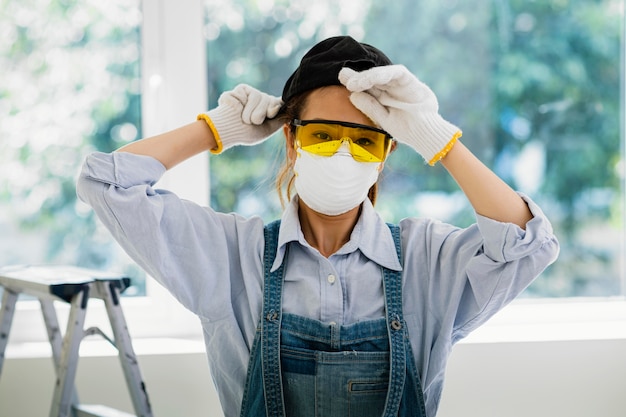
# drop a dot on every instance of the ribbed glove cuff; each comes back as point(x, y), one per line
point(433, 137)
point(226, 126)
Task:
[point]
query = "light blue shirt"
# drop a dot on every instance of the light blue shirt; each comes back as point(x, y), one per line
point(453, 279)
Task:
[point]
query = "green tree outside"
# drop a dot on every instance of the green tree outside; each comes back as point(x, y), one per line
point(69, 85)
point(535, 86)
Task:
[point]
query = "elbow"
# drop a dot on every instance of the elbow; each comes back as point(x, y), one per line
point(82, 185)
point(87, 186)
point(554, 249)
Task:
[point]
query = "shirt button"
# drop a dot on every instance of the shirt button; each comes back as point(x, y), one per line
point(331, 279)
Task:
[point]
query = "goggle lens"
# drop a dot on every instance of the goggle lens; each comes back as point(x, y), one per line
point(324, 137)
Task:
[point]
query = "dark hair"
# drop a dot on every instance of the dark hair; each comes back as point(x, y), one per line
point(320, 66)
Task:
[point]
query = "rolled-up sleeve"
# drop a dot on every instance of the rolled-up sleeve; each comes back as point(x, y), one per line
point(510, 259)
point(506, 242)
point(191, 250)
point(467, 275)
point(455, 279)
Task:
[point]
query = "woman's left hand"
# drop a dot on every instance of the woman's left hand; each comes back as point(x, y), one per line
point(403, 106)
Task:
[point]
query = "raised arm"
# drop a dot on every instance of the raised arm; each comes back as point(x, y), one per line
point(408, 109)
point(175, 240)
point(488, 194)
point(175, 146)
point(243, 117)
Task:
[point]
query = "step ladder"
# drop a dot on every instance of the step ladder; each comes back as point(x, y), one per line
point(74, 286)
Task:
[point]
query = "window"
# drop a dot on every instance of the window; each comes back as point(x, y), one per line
point(536, 86)
point(127, 78)
point(70, 84)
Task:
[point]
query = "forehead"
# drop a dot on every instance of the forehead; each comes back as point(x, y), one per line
point(333, 103)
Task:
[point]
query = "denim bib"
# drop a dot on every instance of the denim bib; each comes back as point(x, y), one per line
point(303, 367)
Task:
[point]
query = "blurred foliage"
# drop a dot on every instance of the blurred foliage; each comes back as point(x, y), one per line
point(535, 85)
point(69, 86)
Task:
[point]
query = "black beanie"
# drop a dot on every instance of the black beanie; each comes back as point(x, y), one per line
point(321, 65)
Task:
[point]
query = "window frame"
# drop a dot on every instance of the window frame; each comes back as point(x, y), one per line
point(174, 90)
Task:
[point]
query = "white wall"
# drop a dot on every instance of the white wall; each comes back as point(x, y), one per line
point(539, 379)
point(504, 379)
point(584, 378)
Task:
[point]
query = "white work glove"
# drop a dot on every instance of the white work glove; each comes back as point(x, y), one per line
point(244, 116)
point(403, 106)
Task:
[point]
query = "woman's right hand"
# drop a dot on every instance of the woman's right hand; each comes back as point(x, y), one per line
point(244, 116)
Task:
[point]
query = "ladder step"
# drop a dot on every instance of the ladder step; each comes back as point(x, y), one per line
point(93, 410)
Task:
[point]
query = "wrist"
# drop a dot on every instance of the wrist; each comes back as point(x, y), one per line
point(226, 126)
point(219, 147)
point(444, 151)
point(434, 137)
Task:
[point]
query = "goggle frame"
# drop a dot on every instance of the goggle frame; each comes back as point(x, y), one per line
point(358, 151)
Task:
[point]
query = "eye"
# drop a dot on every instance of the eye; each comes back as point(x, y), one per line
point(322, 135)
point(364, 142)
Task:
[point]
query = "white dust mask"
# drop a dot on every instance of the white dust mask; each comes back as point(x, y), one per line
point(332, 185)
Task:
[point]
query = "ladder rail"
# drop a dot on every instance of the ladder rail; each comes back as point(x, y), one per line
point(55, 338)
point(75, 286)
point(66, 371)
point(130, 366)
point(9, 299)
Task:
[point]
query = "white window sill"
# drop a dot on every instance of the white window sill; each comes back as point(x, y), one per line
point(522, 321)
point(97, 347)
point(555, 320)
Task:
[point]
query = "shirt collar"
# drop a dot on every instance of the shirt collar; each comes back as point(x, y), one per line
point(371, 236)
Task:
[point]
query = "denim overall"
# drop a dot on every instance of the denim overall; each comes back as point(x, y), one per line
point(302, 367)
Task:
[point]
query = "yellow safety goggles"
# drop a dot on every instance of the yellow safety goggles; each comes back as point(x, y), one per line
point(324, 137)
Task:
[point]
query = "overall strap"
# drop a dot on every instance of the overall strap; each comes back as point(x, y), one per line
point(395, 233)
point(270, 232)
point(271, 321)
point(392, 284)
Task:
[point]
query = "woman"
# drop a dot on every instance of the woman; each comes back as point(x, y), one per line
point(329, 311)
